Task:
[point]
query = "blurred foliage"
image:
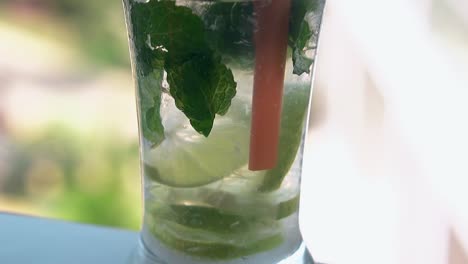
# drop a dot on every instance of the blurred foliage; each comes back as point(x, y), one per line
point(99, 28)
point(56, 170)
point(94, 28)
point(89, 179)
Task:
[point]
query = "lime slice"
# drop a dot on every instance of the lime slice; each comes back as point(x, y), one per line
point(233, 215)
point(204, 217)
point(295, 102)
point(287, 208)
point(261, 236)
point(188, 159)
point(255, 206)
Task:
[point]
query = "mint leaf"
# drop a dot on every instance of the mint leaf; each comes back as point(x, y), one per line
point(300, 34)
point(174, 38)
point(301, 62)
point(193, 49)
point(149, 73)
point(231, 26)
point(174, 32)
point(149, 88)
point(143, 56)
point(202, 87)
point(230, 31)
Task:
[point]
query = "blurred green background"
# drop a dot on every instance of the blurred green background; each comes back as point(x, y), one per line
point(68, 138)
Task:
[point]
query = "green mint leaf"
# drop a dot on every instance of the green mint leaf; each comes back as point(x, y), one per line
point(149, 88)
point(173, 38)
point(299, 10)
point(202, 87)
point(300, 34)
point(231, 26)
point(149, 73)
point(138, 34)
point(301, 62)
point(174, 31)
point(230, 31)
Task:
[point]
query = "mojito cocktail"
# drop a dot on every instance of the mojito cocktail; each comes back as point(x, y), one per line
point(223, 90)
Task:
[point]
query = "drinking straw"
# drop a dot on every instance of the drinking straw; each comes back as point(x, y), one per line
point(271, 37)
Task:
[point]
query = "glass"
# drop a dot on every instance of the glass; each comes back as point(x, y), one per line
point(223, 91)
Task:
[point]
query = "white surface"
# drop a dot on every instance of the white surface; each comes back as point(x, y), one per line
point(385, 176)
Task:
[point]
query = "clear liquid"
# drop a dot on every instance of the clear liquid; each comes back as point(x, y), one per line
point(268, 218)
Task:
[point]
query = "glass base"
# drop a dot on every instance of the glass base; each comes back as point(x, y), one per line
point(142, 255)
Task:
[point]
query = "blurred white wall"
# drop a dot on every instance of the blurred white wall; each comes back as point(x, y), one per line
point(385, 176)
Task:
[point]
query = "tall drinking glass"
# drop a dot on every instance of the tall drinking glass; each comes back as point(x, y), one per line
point(223, 91)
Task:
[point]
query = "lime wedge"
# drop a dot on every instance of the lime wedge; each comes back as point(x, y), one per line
point(295, 102)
